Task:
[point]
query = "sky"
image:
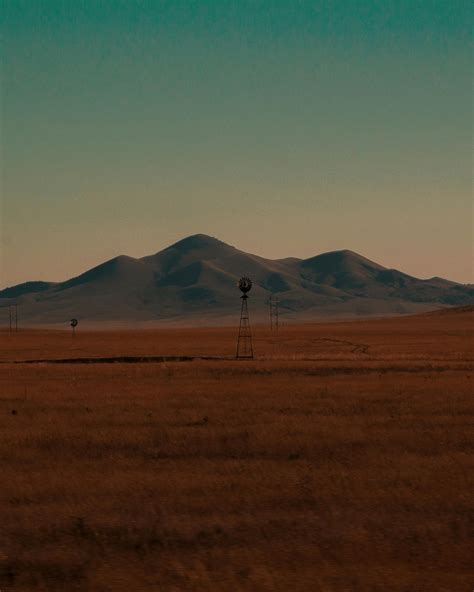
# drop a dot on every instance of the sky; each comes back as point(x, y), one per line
point(285, 128)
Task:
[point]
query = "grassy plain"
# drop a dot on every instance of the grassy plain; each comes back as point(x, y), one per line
point(340, 460)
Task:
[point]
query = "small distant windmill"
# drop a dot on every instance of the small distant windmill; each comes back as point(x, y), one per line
point(244, 341)
point(74, 323)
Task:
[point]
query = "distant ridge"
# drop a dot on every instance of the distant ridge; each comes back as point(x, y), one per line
point(25, 288)
point(452, 310)
point(194, 280)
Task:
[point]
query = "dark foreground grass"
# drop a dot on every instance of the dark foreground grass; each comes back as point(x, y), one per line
point(237, 476)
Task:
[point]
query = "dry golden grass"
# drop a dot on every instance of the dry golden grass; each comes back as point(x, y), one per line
point(321, 466)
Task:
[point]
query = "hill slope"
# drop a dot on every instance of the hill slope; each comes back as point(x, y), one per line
point(195, 279)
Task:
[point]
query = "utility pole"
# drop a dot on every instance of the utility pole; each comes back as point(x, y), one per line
point(274, 314)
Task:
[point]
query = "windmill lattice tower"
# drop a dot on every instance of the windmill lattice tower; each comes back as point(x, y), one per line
point(244, 340)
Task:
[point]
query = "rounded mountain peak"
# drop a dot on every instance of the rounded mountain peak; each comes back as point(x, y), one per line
point(338, 260)
point(197, 241)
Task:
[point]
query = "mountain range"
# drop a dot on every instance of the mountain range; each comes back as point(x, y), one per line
point(195, 281)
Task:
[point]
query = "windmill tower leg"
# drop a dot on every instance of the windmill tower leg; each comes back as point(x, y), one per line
point(244, 341)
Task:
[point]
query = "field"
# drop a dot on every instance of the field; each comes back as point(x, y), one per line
point(341, 459)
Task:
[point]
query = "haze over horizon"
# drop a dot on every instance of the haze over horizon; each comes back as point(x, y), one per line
point(281, 128)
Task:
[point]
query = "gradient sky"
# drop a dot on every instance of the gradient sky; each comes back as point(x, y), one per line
point(285, 128)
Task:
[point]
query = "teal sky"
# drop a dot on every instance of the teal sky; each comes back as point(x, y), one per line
point(285, 128)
